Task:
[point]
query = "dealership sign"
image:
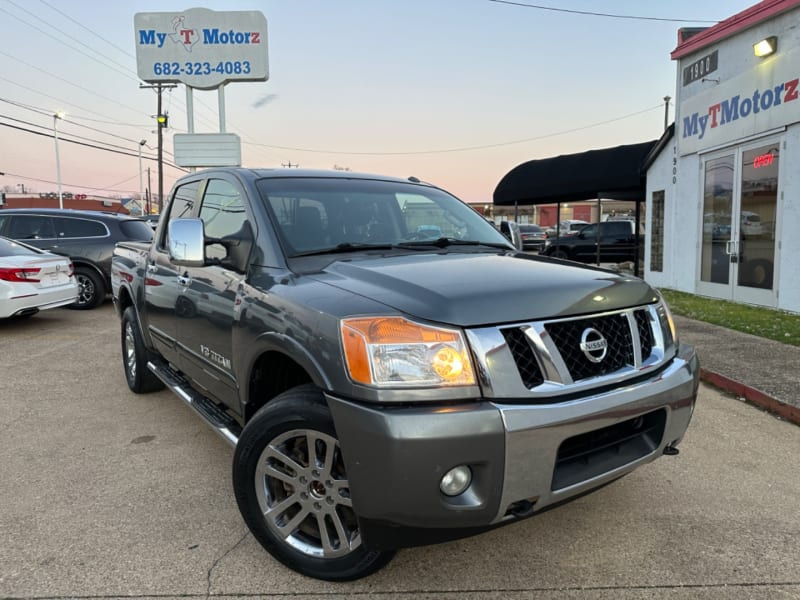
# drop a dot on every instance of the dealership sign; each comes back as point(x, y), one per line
point(759, 100)
point(201, 48)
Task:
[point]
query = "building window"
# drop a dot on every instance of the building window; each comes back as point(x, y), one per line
point(657, 233)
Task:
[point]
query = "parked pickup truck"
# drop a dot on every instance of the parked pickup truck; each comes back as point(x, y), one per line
point(609, 241)
point(383, 388)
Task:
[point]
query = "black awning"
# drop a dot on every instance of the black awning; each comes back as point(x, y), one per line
point(608, 173)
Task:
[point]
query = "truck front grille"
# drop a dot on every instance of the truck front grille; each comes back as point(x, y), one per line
point(551, 361)
point(645, 332)
point(614, 328)
point(524, 358)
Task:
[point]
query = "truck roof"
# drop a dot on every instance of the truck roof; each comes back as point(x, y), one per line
point(281, 172)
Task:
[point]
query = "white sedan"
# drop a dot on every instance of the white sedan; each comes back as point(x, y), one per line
point(32, 280)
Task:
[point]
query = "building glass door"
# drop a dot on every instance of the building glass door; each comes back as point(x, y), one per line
point(740, 206)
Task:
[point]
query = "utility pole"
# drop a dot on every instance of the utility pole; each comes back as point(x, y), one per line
point(162, 122)
point(666, 111)
point(149, 195)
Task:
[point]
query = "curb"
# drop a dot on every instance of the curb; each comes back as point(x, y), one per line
point(752, 395)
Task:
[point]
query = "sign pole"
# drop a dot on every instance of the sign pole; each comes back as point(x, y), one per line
point(221, 100)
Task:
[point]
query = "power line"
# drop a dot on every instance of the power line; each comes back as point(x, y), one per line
point(68, 82)
point(80, 137)
point(61, 102)
point(50, 114)
point(82, 26)
point(74, 185)
point(61, 41)
point(202, 119)
point(599, 14)
point(467, 148)
point(64, 139)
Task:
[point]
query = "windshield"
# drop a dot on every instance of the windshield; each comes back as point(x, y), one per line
point(318, 214)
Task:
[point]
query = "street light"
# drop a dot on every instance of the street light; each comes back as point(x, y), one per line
point(141, 206)
point(56, 116)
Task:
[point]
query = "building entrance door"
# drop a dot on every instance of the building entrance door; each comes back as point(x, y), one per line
point(740, 205)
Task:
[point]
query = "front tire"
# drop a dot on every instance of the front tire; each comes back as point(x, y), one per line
point(293, 493)
point(141, 380)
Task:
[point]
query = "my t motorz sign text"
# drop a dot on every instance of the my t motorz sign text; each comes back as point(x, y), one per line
point(737, 107)
point(758, 100)
point(200, 47)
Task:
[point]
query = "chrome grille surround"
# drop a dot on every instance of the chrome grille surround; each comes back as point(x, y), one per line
point(508, 355)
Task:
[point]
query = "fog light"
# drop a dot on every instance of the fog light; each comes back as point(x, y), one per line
point(456, 480)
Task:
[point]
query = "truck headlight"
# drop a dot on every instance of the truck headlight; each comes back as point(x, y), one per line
point(392, 351)
point(668, 329)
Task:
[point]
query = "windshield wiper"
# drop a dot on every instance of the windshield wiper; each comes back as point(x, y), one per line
point(344, 247)
point(444, 242)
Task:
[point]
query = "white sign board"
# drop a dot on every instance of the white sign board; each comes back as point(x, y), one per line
point(207, 150)
point(758, 100)
point(201, 48)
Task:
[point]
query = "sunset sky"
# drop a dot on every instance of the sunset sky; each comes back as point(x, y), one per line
point(455, 92)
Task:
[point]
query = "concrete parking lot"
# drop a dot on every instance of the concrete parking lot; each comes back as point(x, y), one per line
point(105, 494)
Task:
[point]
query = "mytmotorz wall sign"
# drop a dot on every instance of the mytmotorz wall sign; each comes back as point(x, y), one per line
point(756, 101)
point(201, 48)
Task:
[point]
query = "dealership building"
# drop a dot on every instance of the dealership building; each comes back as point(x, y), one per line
point(719, 192)
point(723, 184)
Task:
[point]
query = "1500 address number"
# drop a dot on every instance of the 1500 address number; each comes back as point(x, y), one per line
point(202, 68)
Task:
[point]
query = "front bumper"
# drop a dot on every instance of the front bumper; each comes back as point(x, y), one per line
point(524, 457)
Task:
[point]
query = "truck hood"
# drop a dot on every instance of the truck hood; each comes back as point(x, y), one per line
point(469, 290)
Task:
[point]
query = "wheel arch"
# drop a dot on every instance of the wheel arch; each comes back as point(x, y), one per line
point(125, 298)
point(81, 262)
point(276, 364)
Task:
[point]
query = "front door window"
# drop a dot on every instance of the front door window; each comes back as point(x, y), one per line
point(759, 201)
point(717, 210)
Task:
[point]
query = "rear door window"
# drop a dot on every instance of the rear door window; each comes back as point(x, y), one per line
point(136, 230)
point(78, 228)
point(31, 227)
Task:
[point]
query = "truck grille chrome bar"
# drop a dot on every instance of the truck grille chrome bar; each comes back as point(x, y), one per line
point(542, 359)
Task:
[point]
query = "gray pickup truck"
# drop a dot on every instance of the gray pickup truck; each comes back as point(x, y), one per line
point(390, 370)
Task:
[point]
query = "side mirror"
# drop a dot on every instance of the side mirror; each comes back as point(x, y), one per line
point(510, 229)
point(186, 242)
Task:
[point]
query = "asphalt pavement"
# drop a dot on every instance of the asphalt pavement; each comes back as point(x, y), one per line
point(105, 494)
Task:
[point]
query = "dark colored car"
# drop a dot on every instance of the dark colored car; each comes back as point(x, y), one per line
point(617, 243)
point(533, 237)
point(87, 237)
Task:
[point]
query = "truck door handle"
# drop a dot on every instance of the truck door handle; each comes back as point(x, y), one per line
point(184, 280)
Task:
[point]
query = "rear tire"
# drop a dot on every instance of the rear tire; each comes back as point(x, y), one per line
point(293, 493)
point(91, 289)
point(141, 380)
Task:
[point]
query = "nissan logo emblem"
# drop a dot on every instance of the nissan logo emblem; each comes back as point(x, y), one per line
point(593, 345)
